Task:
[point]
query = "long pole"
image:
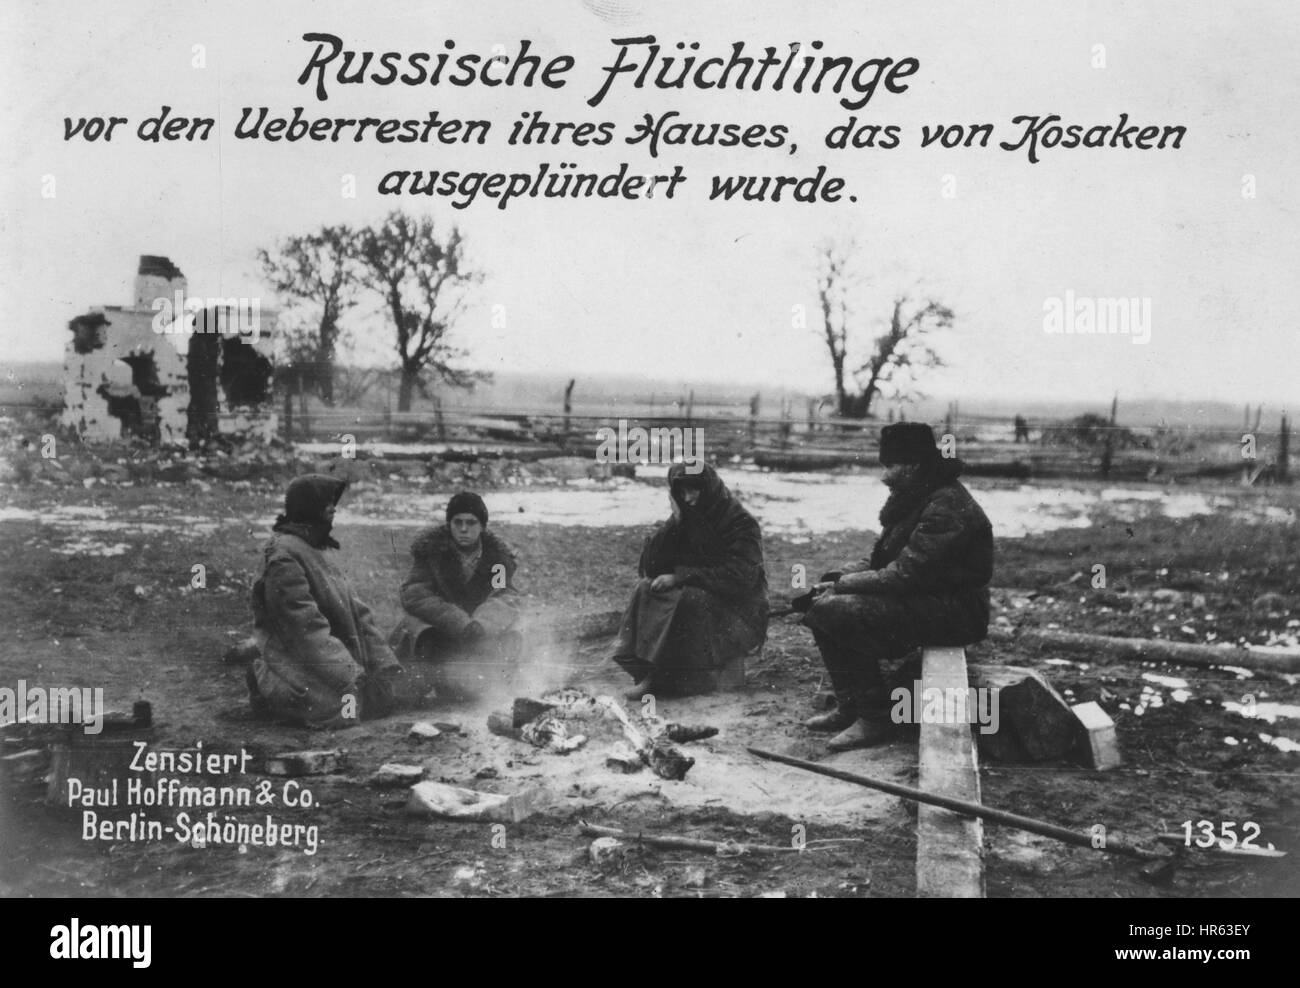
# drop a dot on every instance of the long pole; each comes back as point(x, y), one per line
point(1112, 845)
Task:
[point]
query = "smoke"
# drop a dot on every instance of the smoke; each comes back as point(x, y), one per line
point(544, 665)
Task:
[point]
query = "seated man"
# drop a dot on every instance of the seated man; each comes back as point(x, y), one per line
point(459, 598)
point(702, 597)
point(925, 583)
point(323, 662)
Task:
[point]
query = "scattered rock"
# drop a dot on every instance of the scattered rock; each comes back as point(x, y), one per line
point(1115, 601)
point(1034, 721)
point(1269, 603)
point(423, 731)
point(1166, 596)
point(454, 803)
point(392, 775)
point(1100, 749)
point(305, 763)
point(695, 878)
point(608, 853)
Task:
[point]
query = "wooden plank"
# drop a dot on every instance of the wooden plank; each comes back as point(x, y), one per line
point(949, 846)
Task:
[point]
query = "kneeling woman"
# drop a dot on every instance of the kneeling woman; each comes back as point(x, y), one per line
point(702, 597)
point(323, 662)
point(459, 598)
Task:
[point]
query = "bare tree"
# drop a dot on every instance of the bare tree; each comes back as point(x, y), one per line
point(423, 281)
point(902, 351)
point(898, 355)
point(832, 293)
point(319, 271)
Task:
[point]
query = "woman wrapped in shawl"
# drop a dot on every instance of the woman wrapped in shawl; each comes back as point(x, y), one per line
point(702, 597)
point(323, 662)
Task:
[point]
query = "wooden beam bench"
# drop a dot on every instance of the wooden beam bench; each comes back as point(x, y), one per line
point(949, 846)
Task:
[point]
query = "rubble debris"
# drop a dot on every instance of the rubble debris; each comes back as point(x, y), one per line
point(454, 803)
point(1035, 722)
point(1099, 748)
point(295, 763)
point(683, 734)
point(151, 370)
point(423, 730)
point(391, 775)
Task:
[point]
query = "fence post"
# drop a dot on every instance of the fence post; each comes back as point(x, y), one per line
point(1283, 449)
point(568, 405)
point(1108, 448)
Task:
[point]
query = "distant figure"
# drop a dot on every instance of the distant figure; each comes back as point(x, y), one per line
point(926, 582)
point(323, 663)
point(702, 597)
point(459, 597)
point(1022, 429)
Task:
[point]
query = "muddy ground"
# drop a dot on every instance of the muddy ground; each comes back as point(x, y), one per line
point(100, 604)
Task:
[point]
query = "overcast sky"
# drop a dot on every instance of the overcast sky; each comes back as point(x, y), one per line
point(693, 289)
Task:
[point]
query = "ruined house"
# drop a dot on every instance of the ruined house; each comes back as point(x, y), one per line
point(170, 367)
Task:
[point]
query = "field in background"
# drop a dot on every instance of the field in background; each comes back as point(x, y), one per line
point(525, 417)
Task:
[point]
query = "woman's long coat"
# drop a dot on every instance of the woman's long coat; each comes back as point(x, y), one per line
point(319, 643)
point(718, 609)
point(438, 598)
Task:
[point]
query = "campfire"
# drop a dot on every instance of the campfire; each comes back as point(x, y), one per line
point(564, 720)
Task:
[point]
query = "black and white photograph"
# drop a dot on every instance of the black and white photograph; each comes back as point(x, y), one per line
point(650, 450)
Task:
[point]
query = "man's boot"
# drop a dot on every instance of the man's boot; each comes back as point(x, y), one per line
point(864, 732)
point(845, 711)
point(872, 723)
